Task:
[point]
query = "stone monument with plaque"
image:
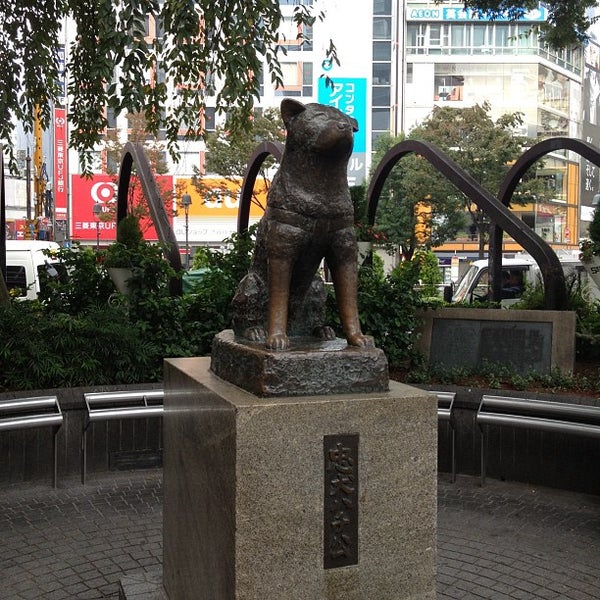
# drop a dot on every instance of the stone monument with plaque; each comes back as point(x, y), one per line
point(293, 468)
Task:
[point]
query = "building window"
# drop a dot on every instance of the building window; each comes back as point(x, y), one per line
point(415, 39)
point(297, 79)
point(382, 73)
point(448, 88)
point(209, 118)
point(381, 96)
point(293, 37)
point(111, 119)
point(382, 51)
point(382, 28)
point(307, 79)
point(553, 89)
point(380, 119)
point(382, 7)
point(485, 38)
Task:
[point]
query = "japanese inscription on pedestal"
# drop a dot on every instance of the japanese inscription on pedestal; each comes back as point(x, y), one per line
point(340, 500)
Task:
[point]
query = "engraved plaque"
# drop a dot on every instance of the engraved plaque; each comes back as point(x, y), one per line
point(340, 527)
point(524, 346)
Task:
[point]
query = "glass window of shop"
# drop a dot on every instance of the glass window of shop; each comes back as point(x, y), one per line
point(556, 214)
point(551, 124)
point(551, 222)
point(504, 85)
point(553, 89)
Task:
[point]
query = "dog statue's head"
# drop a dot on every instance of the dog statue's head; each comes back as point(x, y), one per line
point(318, 128)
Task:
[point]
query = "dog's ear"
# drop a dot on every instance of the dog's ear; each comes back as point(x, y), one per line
point(354, 124)
point(290, 108)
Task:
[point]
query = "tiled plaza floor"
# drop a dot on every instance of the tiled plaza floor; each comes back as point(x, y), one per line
point(505, 540)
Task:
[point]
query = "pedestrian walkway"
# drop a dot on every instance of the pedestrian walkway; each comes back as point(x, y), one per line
point(502, 541)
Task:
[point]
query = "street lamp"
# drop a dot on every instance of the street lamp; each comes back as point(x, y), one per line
point(97, 212)
point(186, 201)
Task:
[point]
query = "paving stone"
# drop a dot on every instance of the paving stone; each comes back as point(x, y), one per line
point(504, 540)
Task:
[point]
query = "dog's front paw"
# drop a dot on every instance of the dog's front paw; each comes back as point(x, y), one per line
point(360, 340)
point(324, 332)
point(278, 341)
point(255, 334)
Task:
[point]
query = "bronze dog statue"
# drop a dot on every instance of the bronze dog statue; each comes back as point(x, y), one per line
point(309, 218)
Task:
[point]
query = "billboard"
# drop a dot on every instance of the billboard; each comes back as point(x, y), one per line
point(349, 94)
point(213, 213)
point(101, 190)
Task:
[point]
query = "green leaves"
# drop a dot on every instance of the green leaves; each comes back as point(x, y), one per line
point(567, 23)
point(166, 58)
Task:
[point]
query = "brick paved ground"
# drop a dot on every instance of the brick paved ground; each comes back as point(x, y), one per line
point(501, 541)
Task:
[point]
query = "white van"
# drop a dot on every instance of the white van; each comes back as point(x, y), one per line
point(518, 272)
point(27, 267)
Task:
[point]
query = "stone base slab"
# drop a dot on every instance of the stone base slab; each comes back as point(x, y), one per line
point(308, 368)
point(244, 491)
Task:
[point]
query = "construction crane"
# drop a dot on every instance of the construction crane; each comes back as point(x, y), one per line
point(40, 178)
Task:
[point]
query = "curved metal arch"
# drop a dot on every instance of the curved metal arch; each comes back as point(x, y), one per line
point(158, 212)
point(512, 179)
point(537, 151)
point(554, 282)
point(257, 158)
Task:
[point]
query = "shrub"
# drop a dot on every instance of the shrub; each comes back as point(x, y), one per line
point(387, 310)
point(87, 285)
point(100, 347)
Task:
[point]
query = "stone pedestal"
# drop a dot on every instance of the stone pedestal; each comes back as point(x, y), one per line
point(245, 490)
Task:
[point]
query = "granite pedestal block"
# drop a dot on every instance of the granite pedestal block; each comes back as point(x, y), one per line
point(244, 491)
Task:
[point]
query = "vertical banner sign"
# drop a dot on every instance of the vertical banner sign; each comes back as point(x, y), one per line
point(60, 164)
point(62, 81)
point(350, 96)
point(340, 507)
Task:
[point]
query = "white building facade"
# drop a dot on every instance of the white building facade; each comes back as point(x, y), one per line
point(397, 60)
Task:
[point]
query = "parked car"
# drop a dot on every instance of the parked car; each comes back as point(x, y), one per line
point(28, 267)
point(518, 273)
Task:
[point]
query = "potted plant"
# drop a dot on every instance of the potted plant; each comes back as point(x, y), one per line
point(590, 249)
point(122, 256)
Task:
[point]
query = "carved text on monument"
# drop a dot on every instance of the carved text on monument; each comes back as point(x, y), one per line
point(341, 500)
